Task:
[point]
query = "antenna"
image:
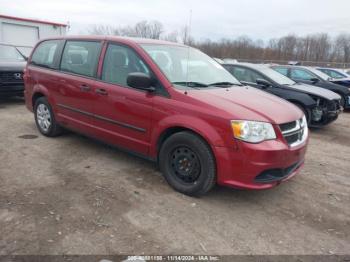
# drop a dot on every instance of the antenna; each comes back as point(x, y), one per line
point(188, 49)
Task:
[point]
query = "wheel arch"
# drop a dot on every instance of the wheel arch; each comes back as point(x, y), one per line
point(196, 126)
point(173, 130)
point(39, 91)
point(36, 96)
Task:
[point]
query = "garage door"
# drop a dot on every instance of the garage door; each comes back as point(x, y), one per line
point(19, 35)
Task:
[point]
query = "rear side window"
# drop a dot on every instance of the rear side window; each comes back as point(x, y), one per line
point(44, 54)
point(282, 70)
point(81, 57)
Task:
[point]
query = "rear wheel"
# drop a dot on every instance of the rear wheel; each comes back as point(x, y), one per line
point(45, 119)
point(188, 164)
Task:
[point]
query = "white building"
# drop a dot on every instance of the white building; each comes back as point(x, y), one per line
point(24, 33)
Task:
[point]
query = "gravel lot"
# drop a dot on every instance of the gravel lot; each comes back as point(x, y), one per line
point(72, 195)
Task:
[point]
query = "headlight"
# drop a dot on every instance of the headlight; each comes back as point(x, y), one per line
point(252, 131)
point(303, 121)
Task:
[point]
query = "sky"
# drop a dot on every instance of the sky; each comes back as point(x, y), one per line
point(211, 19)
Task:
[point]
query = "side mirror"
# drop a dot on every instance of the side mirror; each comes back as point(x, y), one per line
point(140, 81)
point(263, 83)
point(314, 80)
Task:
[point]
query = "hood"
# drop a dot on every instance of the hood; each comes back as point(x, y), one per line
point(343, 90)
point(314, 90)
point(341, 81)
point(12, 66)
point(248, 103)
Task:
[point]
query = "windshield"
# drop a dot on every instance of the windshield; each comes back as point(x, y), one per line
point(318, 73)
point(333, 73)
point(276, 77)
point(183, 65)
point(10, 54)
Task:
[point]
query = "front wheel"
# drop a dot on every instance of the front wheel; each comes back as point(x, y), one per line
point(188, 164)
point(45, 119)
point(342, 101)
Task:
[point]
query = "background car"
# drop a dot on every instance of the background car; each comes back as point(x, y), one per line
point(312, 76)
point(337, 76)
point(320, 106)
point(12, 63)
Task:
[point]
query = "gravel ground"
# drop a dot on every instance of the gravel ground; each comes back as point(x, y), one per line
point(72, 195)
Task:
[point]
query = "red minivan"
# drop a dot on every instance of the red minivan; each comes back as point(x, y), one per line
point(169, 103)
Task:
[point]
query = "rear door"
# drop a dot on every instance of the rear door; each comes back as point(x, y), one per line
point(122, 114)
point(74, 96)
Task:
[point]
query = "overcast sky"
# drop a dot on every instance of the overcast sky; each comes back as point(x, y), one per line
point(214, 19)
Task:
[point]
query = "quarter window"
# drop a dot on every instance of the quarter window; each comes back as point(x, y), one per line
point(119, 62)
point(81, 57)
point(45, 53)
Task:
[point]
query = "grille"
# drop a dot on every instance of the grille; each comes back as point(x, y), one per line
point(294, 132)
point(11, 76)
point(288, 126)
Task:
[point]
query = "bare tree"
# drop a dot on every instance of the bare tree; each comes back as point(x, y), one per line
point(313, 48)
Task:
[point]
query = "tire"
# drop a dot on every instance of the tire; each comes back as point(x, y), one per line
point(342, 102)
point(45, 119)
point(188, 164)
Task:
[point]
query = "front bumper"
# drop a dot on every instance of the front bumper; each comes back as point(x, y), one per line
point(243, 167)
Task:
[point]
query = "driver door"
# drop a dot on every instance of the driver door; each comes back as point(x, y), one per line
point(122, 114)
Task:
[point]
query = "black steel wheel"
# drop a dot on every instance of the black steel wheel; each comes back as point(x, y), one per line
point(188, 164)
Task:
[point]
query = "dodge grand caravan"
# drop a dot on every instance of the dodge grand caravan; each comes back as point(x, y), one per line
point(168, 103)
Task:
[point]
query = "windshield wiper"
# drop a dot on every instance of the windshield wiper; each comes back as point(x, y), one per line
point(190, 84)
point(224, 84)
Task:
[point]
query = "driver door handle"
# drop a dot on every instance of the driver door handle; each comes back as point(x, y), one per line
point(101, 91)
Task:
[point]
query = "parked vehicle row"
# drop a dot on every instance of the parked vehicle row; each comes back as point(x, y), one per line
point(171, 104)
point(320, 106)
point(312, 76)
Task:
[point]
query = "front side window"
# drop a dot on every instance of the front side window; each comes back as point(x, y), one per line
point(119, 62)
point(301, 74)
point(81, 57)
point(44, 54)
point(182, 64)
point(10, 54)
point(246, 75)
